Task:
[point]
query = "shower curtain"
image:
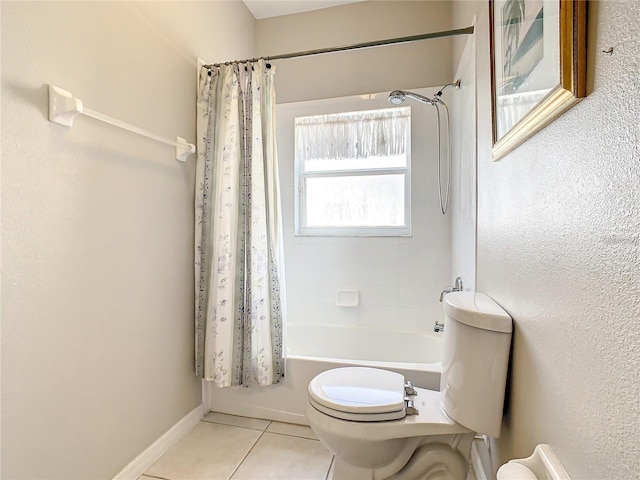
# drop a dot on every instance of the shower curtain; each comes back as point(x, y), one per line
point(239, 268)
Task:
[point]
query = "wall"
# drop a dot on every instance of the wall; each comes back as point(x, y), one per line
point(463, 168)
point(97, 275)
point(399, 279)
point(405, 66)
point(559, 249)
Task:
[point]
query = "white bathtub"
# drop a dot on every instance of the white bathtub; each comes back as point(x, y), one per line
point(312, 349)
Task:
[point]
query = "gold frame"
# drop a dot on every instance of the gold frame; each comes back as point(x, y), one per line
point(569, 91)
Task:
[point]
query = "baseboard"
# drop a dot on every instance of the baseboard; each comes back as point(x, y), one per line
point(142, 462)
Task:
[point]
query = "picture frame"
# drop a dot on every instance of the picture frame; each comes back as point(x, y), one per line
point(538, 66)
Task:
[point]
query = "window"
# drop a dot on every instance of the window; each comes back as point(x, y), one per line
point(353, 173)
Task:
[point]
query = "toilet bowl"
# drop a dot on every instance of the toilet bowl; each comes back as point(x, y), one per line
point(367, 447)
point(379, 429)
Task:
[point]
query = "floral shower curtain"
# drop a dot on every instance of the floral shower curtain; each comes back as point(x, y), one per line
point(239, 270)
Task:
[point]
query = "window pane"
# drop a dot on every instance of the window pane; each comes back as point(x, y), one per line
point(369, 163)
point(355, 201)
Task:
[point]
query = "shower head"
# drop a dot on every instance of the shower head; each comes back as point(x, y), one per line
point(399, 96)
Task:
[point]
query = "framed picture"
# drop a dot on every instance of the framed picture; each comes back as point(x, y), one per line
point(538, 65)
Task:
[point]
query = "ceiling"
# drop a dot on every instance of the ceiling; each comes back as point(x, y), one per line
point(275, 8)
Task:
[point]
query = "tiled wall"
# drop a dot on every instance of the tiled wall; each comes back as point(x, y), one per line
point(463, 146)
point(399, 279)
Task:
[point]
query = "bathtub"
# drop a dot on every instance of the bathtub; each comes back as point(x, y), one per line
point(312, 349)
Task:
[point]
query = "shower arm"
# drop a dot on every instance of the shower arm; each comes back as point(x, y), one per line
point(448, 85)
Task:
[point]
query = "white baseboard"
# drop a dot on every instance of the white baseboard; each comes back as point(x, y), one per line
point(142, 462)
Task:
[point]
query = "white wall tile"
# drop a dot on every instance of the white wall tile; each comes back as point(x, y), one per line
point(398, 279)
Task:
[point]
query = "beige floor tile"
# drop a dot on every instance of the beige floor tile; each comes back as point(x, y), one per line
point(291, 429)
point(210, 451)
point(332, 468)
point(236, 421)
point(283, 457)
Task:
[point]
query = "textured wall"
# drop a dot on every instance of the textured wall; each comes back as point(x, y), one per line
point(404, 66)
point(559, 248)
point(97, 229)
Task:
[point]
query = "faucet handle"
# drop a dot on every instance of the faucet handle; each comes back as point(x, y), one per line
point(444, 292)
point(457, 288)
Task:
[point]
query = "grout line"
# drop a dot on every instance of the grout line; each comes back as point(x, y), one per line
point(246, 455)
point(239, 426)
point(154, 476)
point(292, 435)
point(333, 459)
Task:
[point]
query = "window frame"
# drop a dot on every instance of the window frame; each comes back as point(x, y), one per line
point(301, 228)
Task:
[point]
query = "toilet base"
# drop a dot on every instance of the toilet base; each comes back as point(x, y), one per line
point(444, 459)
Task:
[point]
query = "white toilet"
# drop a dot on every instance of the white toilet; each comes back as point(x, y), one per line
point(542, 464)
point(360, 414)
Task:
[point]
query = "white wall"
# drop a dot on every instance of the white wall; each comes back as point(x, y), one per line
point(463, 158)
point(407, 66)
point(97, 275)
point(559, 249)
point(399, 279)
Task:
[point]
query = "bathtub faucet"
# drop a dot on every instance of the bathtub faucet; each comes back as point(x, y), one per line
point(457, 288)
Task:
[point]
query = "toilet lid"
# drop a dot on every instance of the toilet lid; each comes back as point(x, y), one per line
point(359, 390)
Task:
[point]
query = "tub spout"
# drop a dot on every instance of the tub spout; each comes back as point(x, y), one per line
point(456, 288)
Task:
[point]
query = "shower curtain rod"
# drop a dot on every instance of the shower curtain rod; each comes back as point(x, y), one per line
point(356, 46)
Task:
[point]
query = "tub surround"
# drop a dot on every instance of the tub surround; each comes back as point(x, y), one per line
point(392, 275)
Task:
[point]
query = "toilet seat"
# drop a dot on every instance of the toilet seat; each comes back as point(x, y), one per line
point(358, 417)
point(359, 394)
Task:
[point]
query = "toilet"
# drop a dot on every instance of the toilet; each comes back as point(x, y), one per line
point(381, 428)
point(541, 465)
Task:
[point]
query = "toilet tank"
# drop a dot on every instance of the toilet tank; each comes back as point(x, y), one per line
point(475, 357)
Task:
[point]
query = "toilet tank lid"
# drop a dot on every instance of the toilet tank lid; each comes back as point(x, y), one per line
point(477, 310)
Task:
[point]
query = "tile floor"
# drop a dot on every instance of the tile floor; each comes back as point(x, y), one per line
point(226, 447)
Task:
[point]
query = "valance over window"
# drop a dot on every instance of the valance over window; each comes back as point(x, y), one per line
point(373, 133)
